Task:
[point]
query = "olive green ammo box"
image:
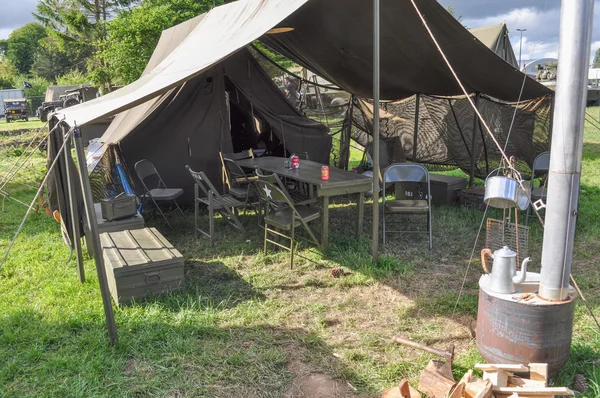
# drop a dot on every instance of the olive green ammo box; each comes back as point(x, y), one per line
point(140, 263)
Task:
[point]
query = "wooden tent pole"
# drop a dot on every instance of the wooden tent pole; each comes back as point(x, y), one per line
point(93, 225)
point(74, 212)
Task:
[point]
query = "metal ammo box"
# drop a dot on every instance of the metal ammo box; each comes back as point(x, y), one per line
point(140, 263)
point(121, 206)
point(445, 190)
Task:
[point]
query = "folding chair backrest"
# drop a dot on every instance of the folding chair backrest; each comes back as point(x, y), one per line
point(234, 170)
point(302, 155)
point(541, 162)
point(202, 181)
point(275, 180)
point(405, 172)
point(248, 154)
point(145, 169)
point(272, 193)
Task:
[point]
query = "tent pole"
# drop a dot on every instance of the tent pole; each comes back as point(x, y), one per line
point(93, 224)
point(376, 131)
point(74, 210)
point(416, 132)
point(475, 124)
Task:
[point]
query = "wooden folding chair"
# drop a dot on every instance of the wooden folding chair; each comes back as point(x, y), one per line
point(282, 215)
point(215, 202)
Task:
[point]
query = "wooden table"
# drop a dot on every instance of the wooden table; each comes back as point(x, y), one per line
point(341, 182)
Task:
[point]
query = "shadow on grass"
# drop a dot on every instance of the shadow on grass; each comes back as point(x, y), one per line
point(174, 354)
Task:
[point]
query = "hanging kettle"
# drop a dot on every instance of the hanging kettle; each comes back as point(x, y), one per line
point(504, 274)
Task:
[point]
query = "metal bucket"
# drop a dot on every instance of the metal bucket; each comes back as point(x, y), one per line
point(502, 192)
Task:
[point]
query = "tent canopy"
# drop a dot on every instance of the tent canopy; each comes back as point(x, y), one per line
point(495, 37)
point(334, 39)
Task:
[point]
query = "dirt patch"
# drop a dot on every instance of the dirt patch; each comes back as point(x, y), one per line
point(312, 384)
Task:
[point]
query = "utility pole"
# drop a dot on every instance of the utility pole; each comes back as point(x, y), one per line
point(520, 45)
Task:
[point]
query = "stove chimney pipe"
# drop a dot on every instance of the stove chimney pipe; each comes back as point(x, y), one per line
point(576, 18)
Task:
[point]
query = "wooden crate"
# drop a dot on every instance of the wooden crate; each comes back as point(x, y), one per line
point(140, 263)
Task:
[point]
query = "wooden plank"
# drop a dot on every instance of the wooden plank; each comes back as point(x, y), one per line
point(539, 372)
point(534, 392)
point(478, 388)
point(515, 381)
point(433, 382)
point(499, 378)
point(499, 366)
point(459, 390)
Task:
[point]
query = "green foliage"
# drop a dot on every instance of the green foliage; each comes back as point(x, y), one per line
point(50, 61)
point(596, 62)
point(38, 85)
point(7, 73)
point(74, 77)
point(22, 45)
point(133, 34)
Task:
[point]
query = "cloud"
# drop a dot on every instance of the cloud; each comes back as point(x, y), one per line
point(15, 14)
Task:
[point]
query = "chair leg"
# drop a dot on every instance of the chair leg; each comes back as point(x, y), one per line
point(177, 204)
point(161, 212)
point(383, 222)
point(211, 225)
point(196, 210)
point(429, 226)
point(292, 244)
point(265, 245)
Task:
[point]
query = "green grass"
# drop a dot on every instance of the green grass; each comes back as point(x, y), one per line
point(245, 323)
point(33, 123)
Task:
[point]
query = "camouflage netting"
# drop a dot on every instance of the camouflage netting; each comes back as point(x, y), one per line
point(445, 128)
point(445, 131)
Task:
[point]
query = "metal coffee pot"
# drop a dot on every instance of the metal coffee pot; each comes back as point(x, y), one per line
point(504, 270)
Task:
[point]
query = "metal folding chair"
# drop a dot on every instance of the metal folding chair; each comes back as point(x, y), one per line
point(145, 170)
point(540, 163)
point(215, 202)
point(282, 215)
point(408, 172)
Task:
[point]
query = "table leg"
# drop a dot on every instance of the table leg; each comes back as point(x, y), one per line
point(325, 229)
point(361, 213)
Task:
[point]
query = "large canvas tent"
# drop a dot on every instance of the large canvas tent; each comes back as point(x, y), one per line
point(226, 108)
point(495, 37)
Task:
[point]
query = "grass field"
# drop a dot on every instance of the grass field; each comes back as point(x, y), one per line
point(33, 123)
point(248, 326)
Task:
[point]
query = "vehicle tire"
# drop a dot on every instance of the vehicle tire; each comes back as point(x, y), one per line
point(44, 117)
point(340, 104)
point(70, 102)
point(7, 120)
point(27, 119)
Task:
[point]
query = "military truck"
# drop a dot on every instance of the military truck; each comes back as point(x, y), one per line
point(58, 97)
point(15, 109)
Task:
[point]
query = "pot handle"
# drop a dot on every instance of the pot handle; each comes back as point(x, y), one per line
point(484, 253)
point(501, 168)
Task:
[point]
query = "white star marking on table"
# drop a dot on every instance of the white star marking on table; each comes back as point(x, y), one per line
point(268, 192)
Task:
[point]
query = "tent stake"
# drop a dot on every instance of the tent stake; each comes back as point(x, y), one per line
point(93, 224)
point(376, 131)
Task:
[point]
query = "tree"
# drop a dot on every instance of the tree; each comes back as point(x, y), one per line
point(72, 78)
point(596, 63)
point(133, 34)
point(49, 61)
point(22, 45)
point(7, 74)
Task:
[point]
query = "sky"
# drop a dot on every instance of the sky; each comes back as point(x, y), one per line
point(539, 17)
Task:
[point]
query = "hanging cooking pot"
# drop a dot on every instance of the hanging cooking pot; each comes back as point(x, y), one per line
point(502, 192)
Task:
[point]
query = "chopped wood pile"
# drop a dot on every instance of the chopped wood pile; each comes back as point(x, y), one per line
point(498, 381)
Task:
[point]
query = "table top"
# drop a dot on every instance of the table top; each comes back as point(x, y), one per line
point(310, 172)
